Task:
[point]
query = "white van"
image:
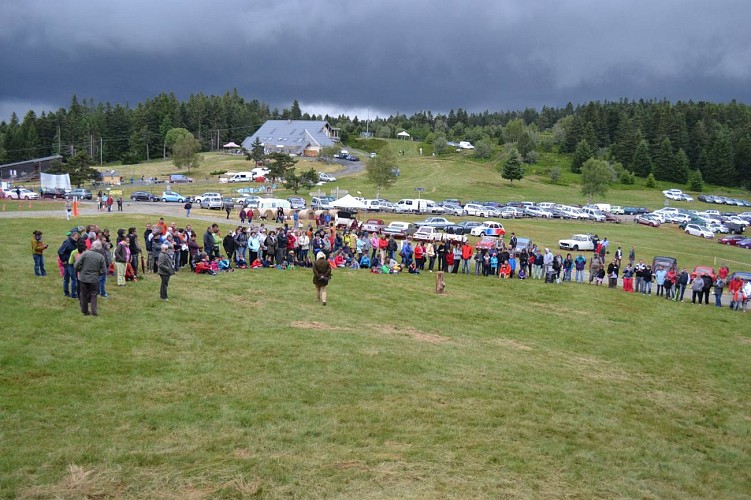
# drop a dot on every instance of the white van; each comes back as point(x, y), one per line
point(545, 205)
point(273, 204)
point(411, 205)
point(594, 214)
point(259, 172)
point(241, 177)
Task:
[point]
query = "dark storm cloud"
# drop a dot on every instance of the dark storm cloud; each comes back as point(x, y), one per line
point(388, 56)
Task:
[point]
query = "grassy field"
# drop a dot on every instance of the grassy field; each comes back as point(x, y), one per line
point(243, 385)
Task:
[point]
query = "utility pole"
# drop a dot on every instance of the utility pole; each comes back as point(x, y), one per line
point(101, 148)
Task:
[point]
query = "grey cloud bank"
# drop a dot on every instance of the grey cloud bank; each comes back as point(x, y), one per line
point(386, 56)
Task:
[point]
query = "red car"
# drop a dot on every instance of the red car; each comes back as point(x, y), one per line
point(701, 270)
point(733, 239)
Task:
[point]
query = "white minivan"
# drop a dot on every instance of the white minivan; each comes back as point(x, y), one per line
point(412, 206)
point(241, 177)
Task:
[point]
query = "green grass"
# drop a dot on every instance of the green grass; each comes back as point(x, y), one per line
point(243, 385)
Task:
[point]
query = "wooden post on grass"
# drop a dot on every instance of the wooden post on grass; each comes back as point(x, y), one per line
point(440, 286)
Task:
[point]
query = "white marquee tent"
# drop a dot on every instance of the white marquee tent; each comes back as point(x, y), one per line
point(348, 202)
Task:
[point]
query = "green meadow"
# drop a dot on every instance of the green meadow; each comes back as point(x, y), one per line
point(243, 385)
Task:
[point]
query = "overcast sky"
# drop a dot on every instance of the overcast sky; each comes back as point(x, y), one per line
point(385, 56)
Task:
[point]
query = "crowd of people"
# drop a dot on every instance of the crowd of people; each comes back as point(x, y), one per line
point(166, 249)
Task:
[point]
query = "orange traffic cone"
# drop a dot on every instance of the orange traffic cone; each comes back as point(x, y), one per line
point(75, 208)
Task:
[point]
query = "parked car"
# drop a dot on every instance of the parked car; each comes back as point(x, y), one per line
point(296, 202)
point(733, 239)
point(52, 193)
point(323, 176)
point(537, 212)
point(212, 202)
point(81, 193)
point(744, 243)
point(697, 230)
point(464, 227)
point(664, 262)
point(399, 230)
point(702, 270)
point(617, 210)
point(200, 198)
point(26, 194)
point(647, 220)
point(143, 196)
point(610, 217)
point(452, 209)
point(488, 228)
point(511, 213)
point(373, 225)
point(321, 202)
point(172, 196)
point(477, 210)
point(437, 222)
point(578, 242)
point(248, 201)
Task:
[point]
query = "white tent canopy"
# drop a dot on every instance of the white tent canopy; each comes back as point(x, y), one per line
point(348, 202)
point(51, 181)
point(403, 134)
point(231, 145)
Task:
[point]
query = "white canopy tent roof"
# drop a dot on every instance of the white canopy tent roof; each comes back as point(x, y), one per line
point(403, 134)
point(231, 145)
point(348, 202)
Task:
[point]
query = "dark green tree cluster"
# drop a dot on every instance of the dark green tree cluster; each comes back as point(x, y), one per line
point(668, 140)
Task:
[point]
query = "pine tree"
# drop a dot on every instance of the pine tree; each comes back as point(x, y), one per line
point(680, 168)
point(642, 161)
point(719, 164)
point(663, 160)
point(583, 153)
point(695, 181)
point(512, 167)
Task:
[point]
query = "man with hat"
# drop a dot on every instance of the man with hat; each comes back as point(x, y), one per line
point(70, 282)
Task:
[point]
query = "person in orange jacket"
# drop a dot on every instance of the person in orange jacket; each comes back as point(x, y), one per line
point(467, 252)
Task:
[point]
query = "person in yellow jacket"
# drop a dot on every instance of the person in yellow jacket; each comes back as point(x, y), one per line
point(37, 251)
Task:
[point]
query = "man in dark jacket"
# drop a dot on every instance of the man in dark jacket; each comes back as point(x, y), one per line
point(208, 242)
point(90, 266)
point(70, 282)
point(680, 285)
point(281, 246)
point(708, 282)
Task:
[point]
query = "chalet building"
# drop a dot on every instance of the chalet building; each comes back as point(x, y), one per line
point(294, 137)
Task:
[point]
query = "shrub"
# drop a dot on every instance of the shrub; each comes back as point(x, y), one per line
point(218, 172)
point(650, 181)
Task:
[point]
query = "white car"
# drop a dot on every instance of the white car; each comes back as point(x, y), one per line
point(478, 210)
point(577, 242)
point(25, 194)
point(198, 199)
point(324, 177)
point(672, 194)
point(452, 209)
point(537, 212)
point(248, 201)
point(488, 228)
point(616, 210)
point(511, 213)
point(697, 230)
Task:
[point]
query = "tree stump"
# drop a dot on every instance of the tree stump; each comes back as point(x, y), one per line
point(440, 286)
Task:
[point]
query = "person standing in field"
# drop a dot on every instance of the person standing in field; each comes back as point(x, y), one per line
point(90, 266)
point(165, 269)
point(321, 276)
point(68, 209)
point(37, 250)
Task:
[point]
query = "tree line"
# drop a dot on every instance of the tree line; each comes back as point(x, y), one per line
point(670, 141)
